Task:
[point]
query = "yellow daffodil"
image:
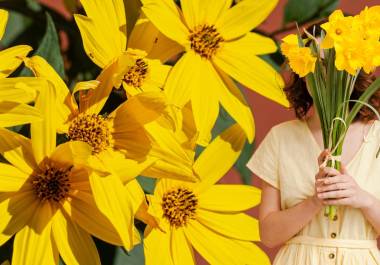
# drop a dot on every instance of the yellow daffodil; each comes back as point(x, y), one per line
point(336, 28)
point(301, 59)
point(46, 197)
point(104, 34)
point(120, 143)
point(10, 58)
point(203, 215)
point(370, 19)
point(218, 45)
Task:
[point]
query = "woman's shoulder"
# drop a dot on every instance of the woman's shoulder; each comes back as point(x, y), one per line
point(288, 127)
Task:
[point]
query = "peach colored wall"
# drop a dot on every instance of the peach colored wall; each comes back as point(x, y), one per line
point(267, 113)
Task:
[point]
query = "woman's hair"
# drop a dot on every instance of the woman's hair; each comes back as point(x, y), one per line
point(301, 101)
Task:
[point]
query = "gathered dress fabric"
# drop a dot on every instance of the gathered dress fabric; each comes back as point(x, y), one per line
point(287, 160)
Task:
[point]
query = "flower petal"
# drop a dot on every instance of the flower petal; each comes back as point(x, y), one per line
point(235, 104)
point(74, 244)
point(17, 150)
point(10, 59)
point(239, 226)
point(183, 77)
point(20, 89)
point(114, 205)
point(157, 247)
point(240, 198)
point(254, 43)
point(32, 247)
point(72, 153)
point(217, 249)
point(104, 30)
point(43, 133)
point(181, 249)
point(3, 21)
point(199, 12)
point(12, 114)
point(251, 71)
point(166, 16)
point(243, 17)
point(83, 211)
point(219, 156)
point(11, 178)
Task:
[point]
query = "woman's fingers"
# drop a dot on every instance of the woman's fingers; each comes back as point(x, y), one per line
point(335, 179)
point(327, 171)
point(323, 156)
point(335, 194)
point(334, 186)
point(341, 201)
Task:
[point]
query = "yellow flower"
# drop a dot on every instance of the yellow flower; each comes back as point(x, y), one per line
point(10, 58)
point(104, 34)
point(301, 59)
point(121, 145)
point(369, 18)
point(336, 28)
point(203, 215)
point(218, 45)
point(46, 197)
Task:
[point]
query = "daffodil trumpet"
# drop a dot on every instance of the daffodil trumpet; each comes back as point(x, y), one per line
point(331, 66)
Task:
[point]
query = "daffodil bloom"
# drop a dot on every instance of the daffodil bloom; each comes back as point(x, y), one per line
point(205, 216)
point(104, 34)
point(10, 58)
point(218, 45)
point(120, 143)
point(301, 59)
point(336, 28)
point(46, 197)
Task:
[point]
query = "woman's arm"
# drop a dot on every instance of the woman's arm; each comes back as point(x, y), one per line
point(276, 226)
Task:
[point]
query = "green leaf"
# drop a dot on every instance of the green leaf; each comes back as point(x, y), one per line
point(147, 184)
point(134, 257)
point(49, 48)
point(306, 10)
point(240, 165)
point(17, 24)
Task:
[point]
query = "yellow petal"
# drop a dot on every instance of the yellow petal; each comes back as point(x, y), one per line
point(3, 21)
point(204, 102)
point(199, 12)
point(20, 89)
point(104, 30)
point(31, 247)
point(253, 43)
point(74, 244)
point(235, 104)
point(181, 248)
point(241, 198)
point(17, 150)
point(239, 226)
point(166, 16)
point(158, 74)
point(157, 248)
point(11, 178)
point(11, 59)
point(251, 71)
point(184, 76)
point(114, 205)
point(243, 17)
point(43, 134)
point(12, 114)
point(219, 156)
point(82, 87)
point(98, 96)
point(72, 153)
point(85, 213)
point(64, 106)
point(217, 249)
point(5, 263)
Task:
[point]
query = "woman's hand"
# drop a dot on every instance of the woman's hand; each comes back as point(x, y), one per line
point(340, 188)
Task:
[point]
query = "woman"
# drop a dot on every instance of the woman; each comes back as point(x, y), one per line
point(296, 188)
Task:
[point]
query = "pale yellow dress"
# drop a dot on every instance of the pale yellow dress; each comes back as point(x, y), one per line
point(287, 159)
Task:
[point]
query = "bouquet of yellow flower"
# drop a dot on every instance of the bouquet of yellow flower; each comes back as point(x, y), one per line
point(331, 65)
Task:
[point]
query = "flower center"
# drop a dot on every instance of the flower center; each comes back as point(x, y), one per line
point(338, 31)
point(92, 129)
point(136, 74)
point(51, 182)
point(179, 206)
point(205, 40)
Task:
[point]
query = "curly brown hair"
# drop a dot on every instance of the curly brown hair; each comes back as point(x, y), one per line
point(301, 101)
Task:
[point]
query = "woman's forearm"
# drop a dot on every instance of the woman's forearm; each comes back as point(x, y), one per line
point(278, 227)
point(371, 211)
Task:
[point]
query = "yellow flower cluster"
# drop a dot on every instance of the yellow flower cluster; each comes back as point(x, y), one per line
point(355, 39)
point(301, 59)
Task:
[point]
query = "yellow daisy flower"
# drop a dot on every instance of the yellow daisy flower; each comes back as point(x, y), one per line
point(104, 34)
point(46, 198)
point(10, 58)
point(218, 44)
point(121, 145)
point(205, 216)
